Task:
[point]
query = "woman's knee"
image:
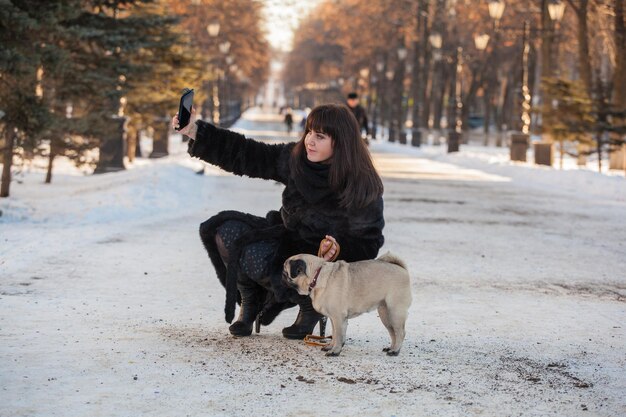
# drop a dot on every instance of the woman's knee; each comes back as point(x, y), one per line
point(221, 248)
point(206, 231)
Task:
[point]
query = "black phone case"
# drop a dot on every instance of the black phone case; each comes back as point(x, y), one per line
point(184, 109)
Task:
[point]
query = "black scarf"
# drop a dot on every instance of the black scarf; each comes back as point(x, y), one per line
point(312, 181)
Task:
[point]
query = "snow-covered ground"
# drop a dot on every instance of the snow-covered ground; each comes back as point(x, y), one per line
point(109, 305)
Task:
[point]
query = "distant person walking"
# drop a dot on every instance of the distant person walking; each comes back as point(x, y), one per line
point(305, 114)
point(289, 120)
point(358, 111)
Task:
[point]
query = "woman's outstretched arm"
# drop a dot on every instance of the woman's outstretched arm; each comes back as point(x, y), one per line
point(235, 153)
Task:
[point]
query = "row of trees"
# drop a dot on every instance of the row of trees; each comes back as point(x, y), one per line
point(404, 56)
point(70, 70)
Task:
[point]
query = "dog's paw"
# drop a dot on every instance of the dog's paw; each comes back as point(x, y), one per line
point(331, 353)
point(327, 348)
point(387, 349)
point(392, 352)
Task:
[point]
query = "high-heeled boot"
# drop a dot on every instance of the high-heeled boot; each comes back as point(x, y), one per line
point(250, 306)
point(305, 322)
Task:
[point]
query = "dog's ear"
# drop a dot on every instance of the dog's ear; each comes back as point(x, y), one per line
point(297, 267)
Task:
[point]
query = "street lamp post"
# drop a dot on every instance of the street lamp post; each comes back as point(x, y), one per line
point(496, 10)
point(481, 41)
point(377, 80)
point(520, 141)
point(387, 115)
point(436, 41)
point(556, 9)
point(399, 119)
point(213, 30)
point(419, 76)
point(397, 78)
point(363, 89)
point(218, 101)
point(454, 136)
point(552, 13)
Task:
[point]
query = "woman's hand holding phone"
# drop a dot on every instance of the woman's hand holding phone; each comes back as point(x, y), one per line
point(190, 129)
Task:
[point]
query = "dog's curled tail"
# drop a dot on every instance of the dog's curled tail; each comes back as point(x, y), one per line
point(393, 259)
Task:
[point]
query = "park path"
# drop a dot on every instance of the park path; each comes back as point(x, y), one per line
point(109, 305)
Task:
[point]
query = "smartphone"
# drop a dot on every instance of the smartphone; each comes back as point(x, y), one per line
point(184, 109)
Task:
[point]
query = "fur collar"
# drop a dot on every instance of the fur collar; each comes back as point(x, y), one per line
point(312, 182)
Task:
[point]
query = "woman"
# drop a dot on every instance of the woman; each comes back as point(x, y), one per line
point(332, 205)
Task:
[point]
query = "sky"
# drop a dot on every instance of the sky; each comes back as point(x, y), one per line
point(282, 18)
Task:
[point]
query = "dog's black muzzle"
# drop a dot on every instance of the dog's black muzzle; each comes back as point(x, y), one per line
point(287, 280)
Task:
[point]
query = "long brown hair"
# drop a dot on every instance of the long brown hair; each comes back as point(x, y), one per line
point(352, 175)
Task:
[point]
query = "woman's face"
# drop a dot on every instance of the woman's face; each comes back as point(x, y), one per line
point(318, 146)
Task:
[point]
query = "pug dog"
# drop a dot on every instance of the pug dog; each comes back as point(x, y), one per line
point(342, 290)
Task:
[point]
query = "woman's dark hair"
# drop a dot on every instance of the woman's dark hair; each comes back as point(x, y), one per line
point(352, 175)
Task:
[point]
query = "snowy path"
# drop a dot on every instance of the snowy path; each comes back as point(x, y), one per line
point(109, 306)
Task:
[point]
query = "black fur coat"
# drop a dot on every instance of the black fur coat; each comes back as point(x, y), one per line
point(309, 211)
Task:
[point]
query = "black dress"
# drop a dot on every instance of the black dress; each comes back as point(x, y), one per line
point(258, 246)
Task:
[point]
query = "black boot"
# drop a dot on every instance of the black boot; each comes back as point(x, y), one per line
point(250, 307)
point(305, 322)
point(272, 310)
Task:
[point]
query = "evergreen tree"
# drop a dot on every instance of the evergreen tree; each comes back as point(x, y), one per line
point(120, 37)
point(169, 67)
point(21, 55)
point(101, 58)
point(594, 123)
point(571, 119)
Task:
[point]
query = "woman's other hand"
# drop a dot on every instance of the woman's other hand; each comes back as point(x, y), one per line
point(190, 129)
point(329, 249)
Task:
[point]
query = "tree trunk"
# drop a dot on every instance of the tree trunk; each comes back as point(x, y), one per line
point(583, 48)
point(599, 147)
point(584, 60)
point(477, 81)
point(427, 93)
point(451, 94)
point(439, 95)
point(7, 161)
point(439, 27)
point(502, 98)
point(561, 153)
point(487, 104)
point(397, 116)
point(50, 162)
point(131, 142)
point(420, 63)
point(138, 144)
point(547, 34)
point(619, 79)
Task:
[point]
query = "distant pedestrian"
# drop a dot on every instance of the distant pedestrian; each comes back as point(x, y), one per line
point(289, 120)
point(305, 114)
point(359, 112)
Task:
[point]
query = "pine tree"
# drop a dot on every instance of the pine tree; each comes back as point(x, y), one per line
point(106, 48)
point(571, 120)
point(22, 24)
point(169, 67)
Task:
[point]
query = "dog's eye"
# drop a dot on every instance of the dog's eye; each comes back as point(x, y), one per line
point(298, 267)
